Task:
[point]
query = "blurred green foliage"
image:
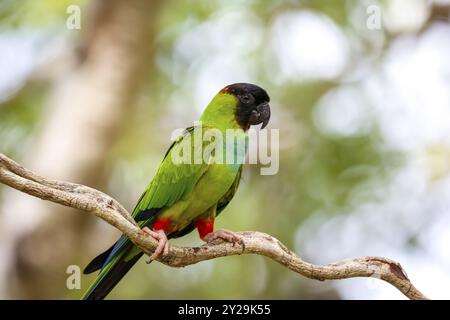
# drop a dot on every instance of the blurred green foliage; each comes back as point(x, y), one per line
point(318, 171)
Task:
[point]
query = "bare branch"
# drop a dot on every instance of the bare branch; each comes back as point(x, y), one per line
point(103, 206)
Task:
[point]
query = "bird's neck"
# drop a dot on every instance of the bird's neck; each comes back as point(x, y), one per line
point(220, 113)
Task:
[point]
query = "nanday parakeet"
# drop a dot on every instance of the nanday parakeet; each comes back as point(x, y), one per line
point(187, 196)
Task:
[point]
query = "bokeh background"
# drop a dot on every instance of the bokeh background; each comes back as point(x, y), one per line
point(363, 114)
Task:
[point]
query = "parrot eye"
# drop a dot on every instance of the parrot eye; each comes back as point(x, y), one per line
point(247, 99)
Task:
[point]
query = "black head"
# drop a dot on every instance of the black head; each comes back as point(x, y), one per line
point(253, 107)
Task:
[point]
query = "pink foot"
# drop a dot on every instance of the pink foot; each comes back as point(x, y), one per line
point(226, 235)
point(163, 244)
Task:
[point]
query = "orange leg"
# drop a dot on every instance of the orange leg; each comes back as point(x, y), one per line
point(159, 232)
point(205, 227)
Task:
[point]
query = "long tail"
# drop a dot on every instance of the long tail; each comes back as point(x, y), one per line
point(106, 282)
point(114, 264)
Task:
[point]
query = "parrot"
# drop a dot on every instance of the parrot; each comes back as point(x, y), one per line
point(186, 196)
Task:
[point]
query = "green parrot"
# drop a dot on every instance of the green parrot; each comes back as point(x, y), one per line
point(188, 195)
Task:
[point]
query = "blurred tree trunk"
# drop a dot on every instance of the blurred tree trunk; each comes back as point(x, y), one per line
point(85, 110)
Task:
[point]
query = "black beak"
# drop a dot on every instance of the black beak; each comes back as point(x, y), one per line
point(261, 114)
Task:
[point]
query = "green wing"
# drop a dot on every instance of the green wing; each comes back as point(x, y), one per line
point(172, 181)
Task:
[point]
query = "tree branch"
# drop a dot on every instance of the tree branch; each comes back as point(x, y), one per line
point(103, 206)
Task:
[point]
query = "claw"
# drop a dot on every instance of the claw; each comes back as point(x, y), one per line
point(225, 235)
point(163, 244)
